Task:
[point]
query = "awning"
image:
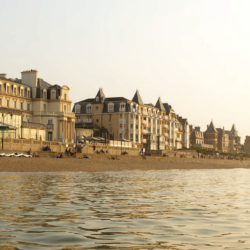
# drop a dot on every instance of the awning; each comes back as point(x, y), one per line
point(6, 127)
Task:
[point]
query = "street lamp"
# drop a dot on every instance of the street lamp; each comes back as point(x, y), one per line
point(122, 138)
point(3, 124)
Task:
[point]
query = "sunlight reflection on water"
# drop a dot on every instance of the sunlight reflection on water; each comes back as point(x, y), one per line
point(175, 209)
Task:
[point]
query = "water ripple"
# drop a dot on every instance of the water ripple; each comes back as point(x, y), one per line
point(177, 209)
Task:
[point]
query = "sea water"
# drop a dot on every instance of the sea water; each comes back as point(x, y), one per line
point(174, 209)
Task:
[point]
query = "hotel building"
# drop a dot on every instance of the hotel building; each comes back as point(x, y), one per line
point(35, 108)
point(153, 127)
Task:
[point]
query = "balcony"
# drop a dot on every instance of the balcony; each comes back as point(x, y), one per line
point(50, 126)
point(165, 117)
point(178, 139)
point(122, 109)
point(144, 131)
point(164, 125)
point(54, 113)
point(83, 121)
point(165, 134)
point(144, 112)
point(144, 140)
point(144, 122)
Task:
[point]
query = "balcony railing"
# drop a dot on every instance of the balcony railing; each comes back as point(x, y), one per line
point(164, 125)
point(165, 117)
point(83, 121)
point(144, 122)
point(50, 126)
point(144, 112)
point(54, 113)
point(122, 109)
point(144, 140)
point(144, 131)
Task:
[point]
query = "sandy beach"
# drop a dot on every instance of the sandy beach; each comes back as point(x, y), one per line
point(102, 163)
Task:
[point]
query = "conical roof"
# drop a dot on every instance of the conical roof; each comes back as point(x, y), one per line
point(100, 95)
point(137, 98)
point(211, 128)
point(233, 128)
point(159, 105)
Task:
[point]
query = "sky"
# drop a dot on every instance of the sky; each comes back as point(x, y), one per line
point(194, 54)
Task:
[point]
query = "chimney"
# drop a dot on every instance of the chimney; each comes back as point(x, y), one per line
point(29, 78)
point(197, 129)
point(3, 75)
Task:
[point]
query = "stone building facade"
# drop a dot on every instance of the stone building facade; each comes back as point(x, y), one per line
point(45, 109)
point(153, 127)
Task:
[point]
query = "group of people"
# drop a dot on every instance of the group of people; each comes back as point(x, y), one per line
point(47, 148)
point(59, 155)
point(71, 151)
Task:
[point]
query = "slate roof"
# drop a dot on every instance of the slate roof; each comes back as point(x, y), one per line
point(159, 105)
point(234, 128)
point(43, 84)
point(137, 98)
point(211, 128)
point(101, 96)
point(168, 108)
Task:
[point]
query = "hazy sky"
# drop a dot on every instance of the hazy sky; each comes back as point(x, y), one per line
point(194, 54)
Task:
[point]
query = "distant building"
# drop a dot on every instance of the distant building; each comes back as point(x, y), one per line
point(247, 144)
point(37, 109)
point(211, 136)
point(234, 140)
point(223, 140)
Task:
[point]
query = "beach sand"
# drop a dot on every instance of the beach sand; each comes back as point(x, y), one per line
point(102, 163)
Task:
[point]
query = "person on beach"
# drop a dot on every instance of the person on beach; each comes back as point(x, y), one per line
point(75, 153)
point(29, 152)
point(94, 147)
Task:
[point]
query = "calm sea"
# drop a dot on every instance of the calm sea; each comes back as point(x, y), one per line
point(176, 209)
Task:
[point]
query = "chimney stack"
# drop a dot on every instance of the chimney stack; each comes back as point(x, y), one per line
point(3, 75)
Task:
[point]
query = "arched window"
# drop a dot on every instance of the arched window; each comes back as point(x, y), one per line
point(111, 107)
point(89, 108)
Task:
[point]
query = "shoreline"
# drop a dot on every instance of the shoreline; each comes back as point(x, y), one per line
point(102, 163)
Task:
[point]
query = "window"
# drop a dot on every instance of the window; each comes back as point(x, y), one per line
point(21, 92)
point(28, 93)
point(120, 125)
point(96, 107)
point(132, 116)
point(110, 127)
point(78, 109)
point(44, 107)
point(131, 137)
point(131, 125)
point(110, 118)
point(15, 104)
point(120, 135)
point(14, 91)
point(8, 89)
point(97, 120)
point(136, 137)
point(136, 126)
point(44, 95)
point(120, 116)
point(21, 105)
point(110, 107)
point(89, 108)
point(53, 95)
point(137, 117)
point(64, 108)
point(65, 96)
point(8, 103)
point(28, 106)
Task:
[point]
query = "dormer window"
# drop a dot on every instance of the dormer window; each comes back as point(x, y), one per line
point(44, 94)
point(122, 107)
point(89, 108)
point(65, 96)
point(78, 109)
point(111, 107)
point(28, 93)
point(97, 98)
point(21, 92)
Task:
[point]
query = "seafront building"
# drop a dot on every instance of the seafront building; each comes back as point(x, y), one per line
point(223, 140)
point(247, 144)
point(153, 127)
point(31, 108)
